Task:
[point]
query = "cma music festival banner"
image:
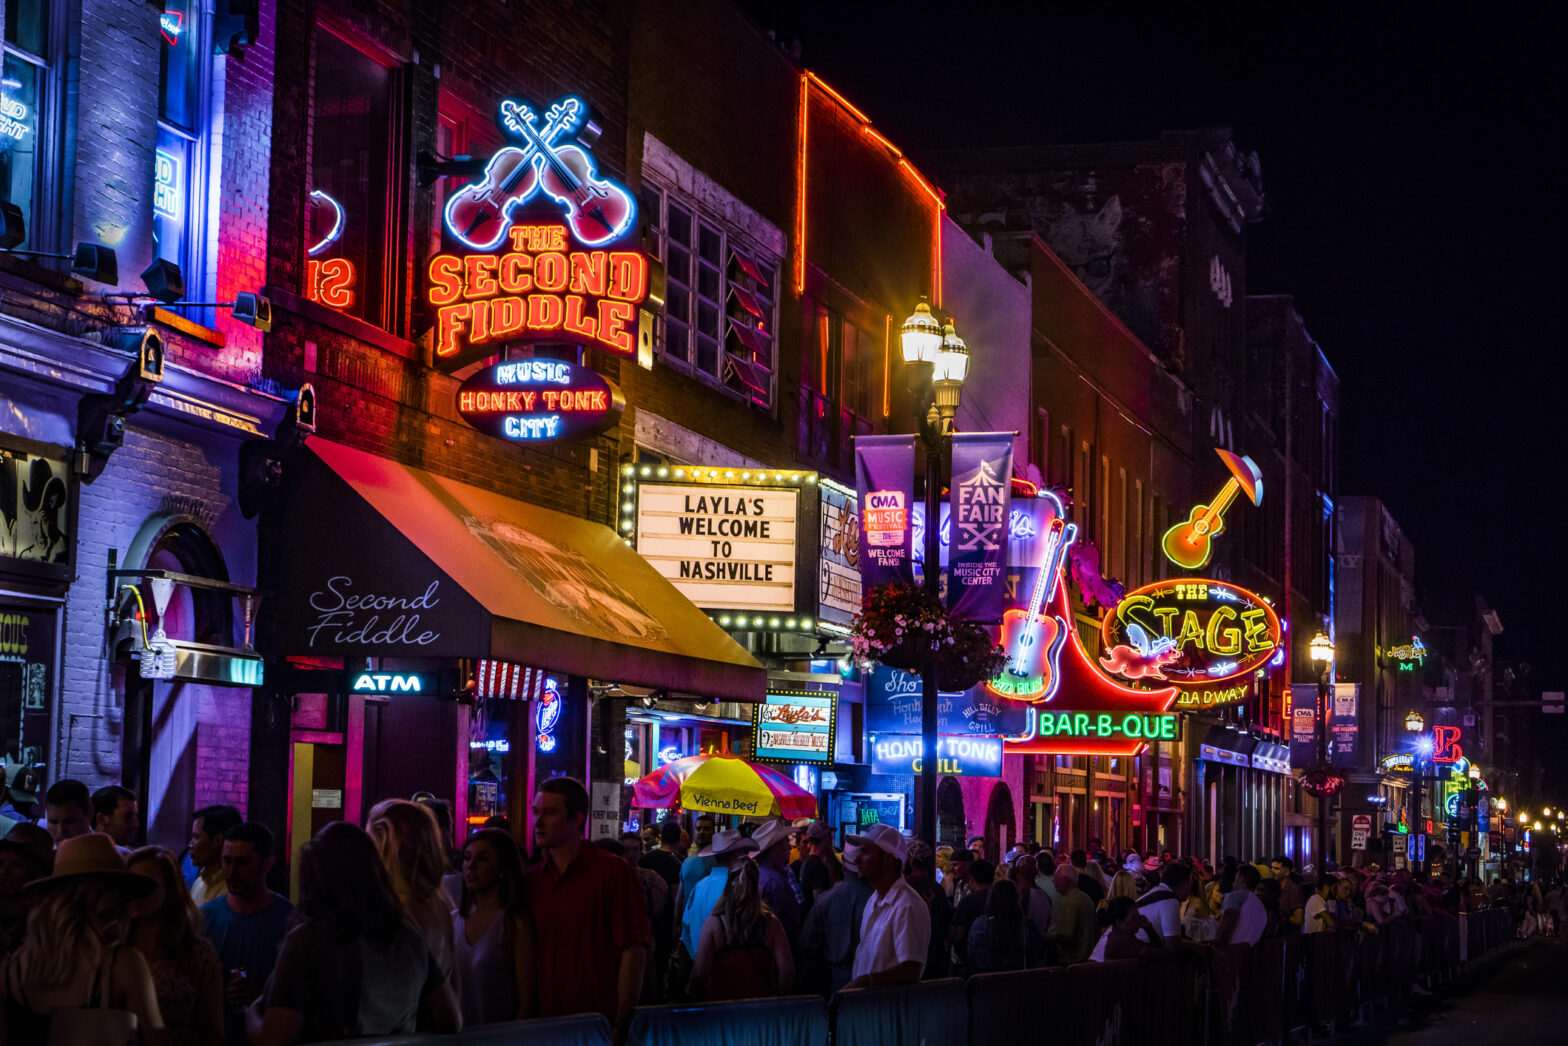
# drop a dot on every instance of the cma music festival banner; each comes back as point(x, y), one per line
point(885, 487)
point(980, 502)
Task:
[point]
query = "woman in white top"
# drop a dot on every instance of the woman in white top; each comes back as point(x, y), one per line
point(409, 842)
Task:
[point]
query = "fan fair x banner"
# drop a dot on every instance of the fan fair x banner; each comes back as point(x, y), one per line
point(885, 486)
point(981, 499)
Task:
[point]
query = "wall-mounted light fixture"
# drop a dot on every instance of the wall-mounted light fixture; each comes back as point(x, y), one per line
point(92, 261)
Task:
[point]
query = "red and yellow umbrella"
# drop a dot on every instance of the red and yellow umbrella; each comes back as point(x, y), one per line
point(721, 783)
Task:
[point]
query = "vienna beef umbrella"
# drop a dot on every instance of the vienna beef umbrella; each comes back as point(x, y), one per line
point(721, 783)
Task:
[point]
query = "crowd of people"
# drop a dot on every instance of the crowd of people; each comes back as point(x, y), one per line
point(392, 931)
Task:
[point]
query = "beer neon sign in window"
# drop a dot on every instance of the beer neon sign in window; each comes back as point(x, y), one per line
point(166, 184)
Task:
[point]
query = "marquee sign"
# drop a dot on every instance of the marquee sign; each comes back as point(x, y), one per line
point(737, 541)
point(537, 401)
point(535, 233)
point(1205, 637)
point(796, 725)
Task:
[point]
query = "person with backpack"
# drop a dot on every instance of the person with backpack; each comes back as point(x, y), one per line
point(743, 951)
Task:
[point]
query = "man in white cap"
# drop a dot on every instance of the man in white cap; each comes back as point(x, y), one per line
point(895, 931)
point(728, 849)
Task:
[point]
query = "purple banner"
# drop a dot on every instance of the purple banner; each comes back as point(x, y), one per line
point(1303, 725)
point(981, 498)
point(885, 486)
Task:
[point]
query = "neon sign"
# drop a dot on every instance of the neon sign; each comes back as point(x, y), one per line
point(1189, 544)
point(958, 756)
point(331, 281)
point(1445, 745)
point(170, 25)
point(1078, 711)
point(537, 289)
point(1194, 633)
point(323, 204)
point(391, 683)
point(165, 184)
point(596, 210)
point(12, 115)
point(536, 401)
point(1409, 655)
point(546, 715)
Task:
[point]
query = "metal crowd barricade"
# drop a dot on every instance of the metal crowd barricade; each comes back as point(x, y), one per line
point(794, 1020)
point(1010, 1007)
point(1232, 996)
point(931, 1012)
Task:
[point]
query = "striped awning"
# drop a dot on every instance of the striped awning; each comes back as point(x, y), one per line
point(506, 681)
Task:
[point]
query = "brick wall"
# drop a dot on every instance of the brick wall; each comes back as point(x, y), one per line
point(152, 467)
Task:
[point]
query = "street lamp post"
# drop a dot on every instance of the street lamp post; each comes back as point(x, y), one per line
point(1415, 724)
point(1322, 648)
point(937, 362)
point(1474, 773)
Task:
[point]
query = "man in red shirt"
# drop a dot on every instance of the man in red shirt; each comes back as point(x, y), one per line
point(590, 923)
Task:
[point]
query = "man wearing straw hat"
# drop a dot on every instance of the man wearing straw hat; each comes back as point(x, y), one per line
point(895, 931)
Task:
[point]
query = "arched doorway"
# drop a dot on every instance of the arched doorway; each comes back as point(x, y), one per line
point(999, 814)
point(949, 813)
point(164, 719)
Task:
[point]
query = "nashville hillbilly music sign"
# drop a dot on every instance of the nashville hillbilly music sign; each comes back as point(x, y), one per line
point(1204, 637)
point(536, 231)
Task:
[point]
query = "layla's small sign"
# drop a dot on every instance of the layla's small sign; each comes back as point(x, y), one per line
point(540, 401)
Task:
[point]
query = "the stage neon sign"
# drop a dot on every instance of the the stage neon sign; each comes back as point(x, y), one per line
point(1203, 636)
point(537, 289)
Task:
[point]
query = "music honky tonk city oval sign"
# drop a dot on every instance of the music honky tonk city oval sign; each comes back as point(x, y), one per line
point(1204, 637)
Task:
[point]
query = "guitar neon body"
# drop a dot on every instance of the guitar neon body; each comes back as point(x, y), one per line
point(1035, 643)
point(1188, 544)
point(597, 210)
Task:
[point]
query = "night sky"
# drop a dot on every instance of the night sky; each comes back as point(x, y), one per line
point(1415, 213)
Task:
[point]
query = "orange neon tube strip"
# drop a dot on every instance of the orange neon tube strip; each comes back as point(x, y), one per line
point(800, 190)
point(936, 258)
point(840, 99)
point(887, 368)
point(874, 133)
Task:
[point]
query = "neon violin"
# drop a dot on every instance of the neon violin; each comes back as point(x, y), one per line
point(597, 210)
point(481, 214)
point(1033, 640)
point(1188, 544)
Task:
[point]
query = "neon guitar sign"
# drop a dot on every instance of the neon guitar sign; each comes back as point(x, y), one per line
point(597, 210)
point(1188, 544)
point(1034, 640)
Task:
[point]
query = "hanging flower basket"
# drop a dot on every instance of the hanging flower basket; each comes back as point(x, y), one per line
point(1322, 781)
point(902, 625)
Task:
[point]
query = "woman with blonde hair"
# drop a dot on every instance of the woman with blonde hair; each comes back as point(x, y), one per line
point(76, 955)
point(743, 951)
point(1123, 884)
point(409, 842)
point(186, 973)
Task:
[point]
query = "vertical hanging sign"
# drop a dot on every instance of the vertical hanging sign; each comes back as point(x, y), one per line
point(981, 500)
point(1303, 724)
point(885, 485)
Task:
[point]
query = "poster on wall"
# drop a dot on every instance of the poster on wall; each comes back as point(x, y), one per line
point(27, 660)
point(36, 510)
point(838, 571)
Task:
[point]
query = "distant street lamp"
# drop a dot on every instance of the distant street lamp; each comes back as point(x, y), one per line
point(1322, 648)
point(936, 364)
point(1416, 724)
